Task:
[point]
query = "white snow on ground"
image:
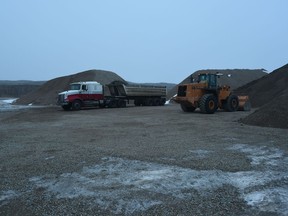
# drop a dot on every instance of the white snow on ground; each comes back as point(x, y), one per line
point(260, 155)
point(5, 196)
point(9, 101)
point(273, 200)
point(6, 105)
point(126, 185)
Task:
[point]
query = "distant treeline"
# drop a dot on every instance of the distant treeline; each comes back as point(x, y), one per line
point(16, 89)
point(21, 82)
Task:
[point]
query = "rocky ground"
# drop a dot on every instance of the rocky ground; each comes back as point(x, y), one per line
point(140, 161)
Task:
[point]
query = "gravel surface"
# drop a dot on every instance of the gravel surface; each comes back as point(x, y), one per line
point(140, 161)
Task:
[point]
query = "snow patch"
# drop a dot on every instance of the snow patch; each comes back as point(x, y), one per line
point(6, 196)
point(200, 153)
point(9, 101)
point(276, 197)
point(128, 186)
point(260, 155)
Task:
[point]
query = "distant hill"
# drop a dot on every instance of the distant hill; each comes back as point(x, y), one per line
point(232, 77)
point(16, 89)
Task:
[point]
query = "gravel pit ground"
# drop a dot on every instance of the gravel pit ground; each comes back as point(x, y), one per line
point(140, 161)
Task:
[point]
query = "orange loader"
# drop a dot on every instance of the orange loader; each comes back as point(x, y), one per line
point(208, 96)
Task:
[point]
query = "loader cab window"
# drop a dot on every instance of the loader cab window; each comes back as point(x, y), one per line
point(75, 87)
point(202, 77)
point(212, 81)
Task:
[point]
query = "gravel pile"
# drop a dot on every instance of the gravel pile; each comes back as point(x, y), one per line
point(270, 93)
point(265, 89)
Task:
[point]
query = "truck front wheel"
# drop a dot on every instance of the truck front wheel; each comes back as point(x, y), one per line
point(66, 107)
point(76, 105)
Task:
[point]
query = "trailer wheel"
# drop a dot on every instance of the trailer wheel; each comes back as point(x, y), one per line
point(208, 104)
point(163, 101)
point(156, 102)
point(76, 105)
point(231, 104)
point(148, 102)
point(137, 102)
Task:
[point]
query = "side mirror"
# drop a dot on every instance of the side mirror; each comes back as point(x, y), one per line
point(84, 87)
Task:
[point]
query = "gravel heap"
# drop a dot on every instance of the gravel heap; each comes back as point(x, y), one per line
point(48, 92)
point(234, 78)
point(270, 93)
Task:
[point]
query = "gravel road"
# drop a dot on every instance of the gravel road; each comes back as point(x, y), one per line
point(140, 161)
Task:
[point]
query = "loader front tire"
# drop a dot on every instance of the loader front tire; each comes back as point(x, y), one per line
point(208, 104)
point(231, 104)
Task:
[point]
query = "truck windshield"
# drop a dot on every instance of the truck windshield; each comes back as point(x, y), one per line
point(75, 87)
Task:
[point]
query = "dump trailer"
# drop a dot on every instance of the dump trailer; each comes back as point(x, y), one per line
point(205, 94)
point(116, 94)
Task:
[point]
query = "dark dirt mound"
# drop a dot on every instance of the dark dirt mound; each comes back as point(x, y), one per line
point(263, 90)
point(273, 114)
point(48, 92)
point(271, 93)
point(234, 78)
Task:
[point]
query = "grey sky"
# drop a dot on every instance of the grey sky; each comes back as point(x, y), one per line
point(141, 40)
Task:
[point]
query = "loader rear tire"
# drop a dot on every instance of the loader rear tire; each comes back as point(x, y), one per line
point(231, 104)
point(208, 104)
point(187, 108)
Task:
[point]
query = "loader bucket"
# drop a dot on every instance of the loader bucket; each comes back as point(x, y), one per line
point(244, 103)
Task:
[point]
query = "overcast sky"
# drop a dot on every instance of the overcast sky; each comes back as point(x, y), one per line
point(141, 40)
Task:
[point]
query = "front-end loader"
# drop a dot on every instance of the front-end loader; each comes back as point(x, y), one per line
point(206, 95)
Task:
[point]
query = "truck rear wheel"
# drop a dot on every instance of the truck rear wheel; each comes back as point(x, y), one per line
point(231, 104)
point(76, 105)
point(121, 103)
point(187, 108)
point(112, 104)
point(208, 104)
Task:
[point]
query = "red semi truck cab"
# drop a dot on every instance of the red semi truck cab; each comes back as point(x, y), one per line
point(81, 93)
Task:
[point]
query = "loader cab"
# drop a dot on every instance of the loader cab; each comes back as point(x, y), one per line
point(210, 79)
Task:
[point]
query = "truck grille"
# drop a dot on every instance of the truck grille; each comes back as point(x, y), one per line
point(182, 91)
point(60, 98)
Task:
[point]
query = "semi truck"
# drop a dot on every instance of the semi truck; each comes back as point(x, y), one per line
point(113, 95)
